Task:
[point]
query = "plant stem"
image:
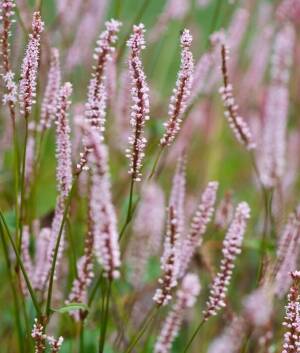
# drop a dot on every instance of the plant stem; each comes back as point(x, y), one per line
point(143, 329)
point(20, 262)
point(105, 318)
point(14, 293)
point(81, 337)
point(52, 271)
point(128, 218)
point(95, 288)
point(160, 151)
point(191, 340)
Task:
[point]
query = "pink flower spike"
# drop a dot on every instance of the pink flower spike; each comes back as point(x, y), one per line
point(181, 92)
point(50, 101)
point(30, 65)
point(291, 321)
point(97, 95)
point(63, 142)
point(236, 122)
point(231, 248)
point(170, 261)
point(140, 103)
point(200, 220)
point(103, 213)
point(186, 298)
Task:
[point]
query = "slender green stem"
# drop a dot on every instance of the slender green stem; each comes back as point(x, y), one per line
point(95, 288)
point(128, 218)
point(14, 293)
point(143, 329)
point(105, 318)
point(52, 271)
point(157, 159)
point(191, 340)
point(81, 337)
point(20, 262)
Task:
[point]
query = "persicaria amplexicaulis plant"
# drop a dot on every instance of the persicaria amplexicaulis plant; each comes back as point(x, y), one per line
point(96, 260)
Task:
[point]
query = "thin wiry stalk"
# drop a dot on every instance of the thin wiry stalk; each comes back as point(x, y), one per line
point(143, 329)
point(191, 340)
point(105, 317)
point(52, 271)
point(20, 262)
point(14, 293)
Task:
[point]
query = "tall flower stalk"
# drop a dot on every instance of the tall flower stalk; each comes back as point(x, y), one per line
point(140, 109)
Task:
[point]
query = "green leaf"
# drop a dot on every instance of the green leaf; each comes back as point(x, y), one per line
point(71, 307)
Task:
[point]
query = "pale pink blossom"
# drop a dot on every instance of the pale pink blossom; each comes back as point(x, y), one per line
point(291, 321)
point(202, 216)
point(231, 248)
point(97, 93)
point(287, 254)
point(181, 92)
point(86, 31)
point(186, 298)
point(147, 232)
point(238, 125)
point(140, 103)
point(224, 211)
point(170, 260)
point(273, 146)
point(29, 69)
point(103, 213)
point(50, 100)
point(232, 338)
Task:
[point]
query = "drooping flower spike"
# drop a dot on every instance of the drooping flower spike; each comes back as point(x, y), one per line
point(236, 122)
point(181, 92)
point(140, 103)
point(231, 248)
point(186, 298)
point(29, 70)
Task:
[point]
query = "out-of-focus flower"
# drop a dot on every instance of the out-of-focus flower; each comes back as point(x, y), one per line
point(273, 146)
point(186, 298)
point(231, 248)
point(29, 70)
point(292, 317)
point(287, 254)
point(85, 32)
point(258, 307)
point(231, 340)
point(181, 92)
point(200, 219)
point(50, 101)
point(178, 193)
point(224, 211)
point(97, 95)
point(289, 10)
point(170, 260)
point(85, 271)
point(103, 213)
point(147, 231)
point(41, 259)
point(140, 100)
point(173, 10)
point(236, 122)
